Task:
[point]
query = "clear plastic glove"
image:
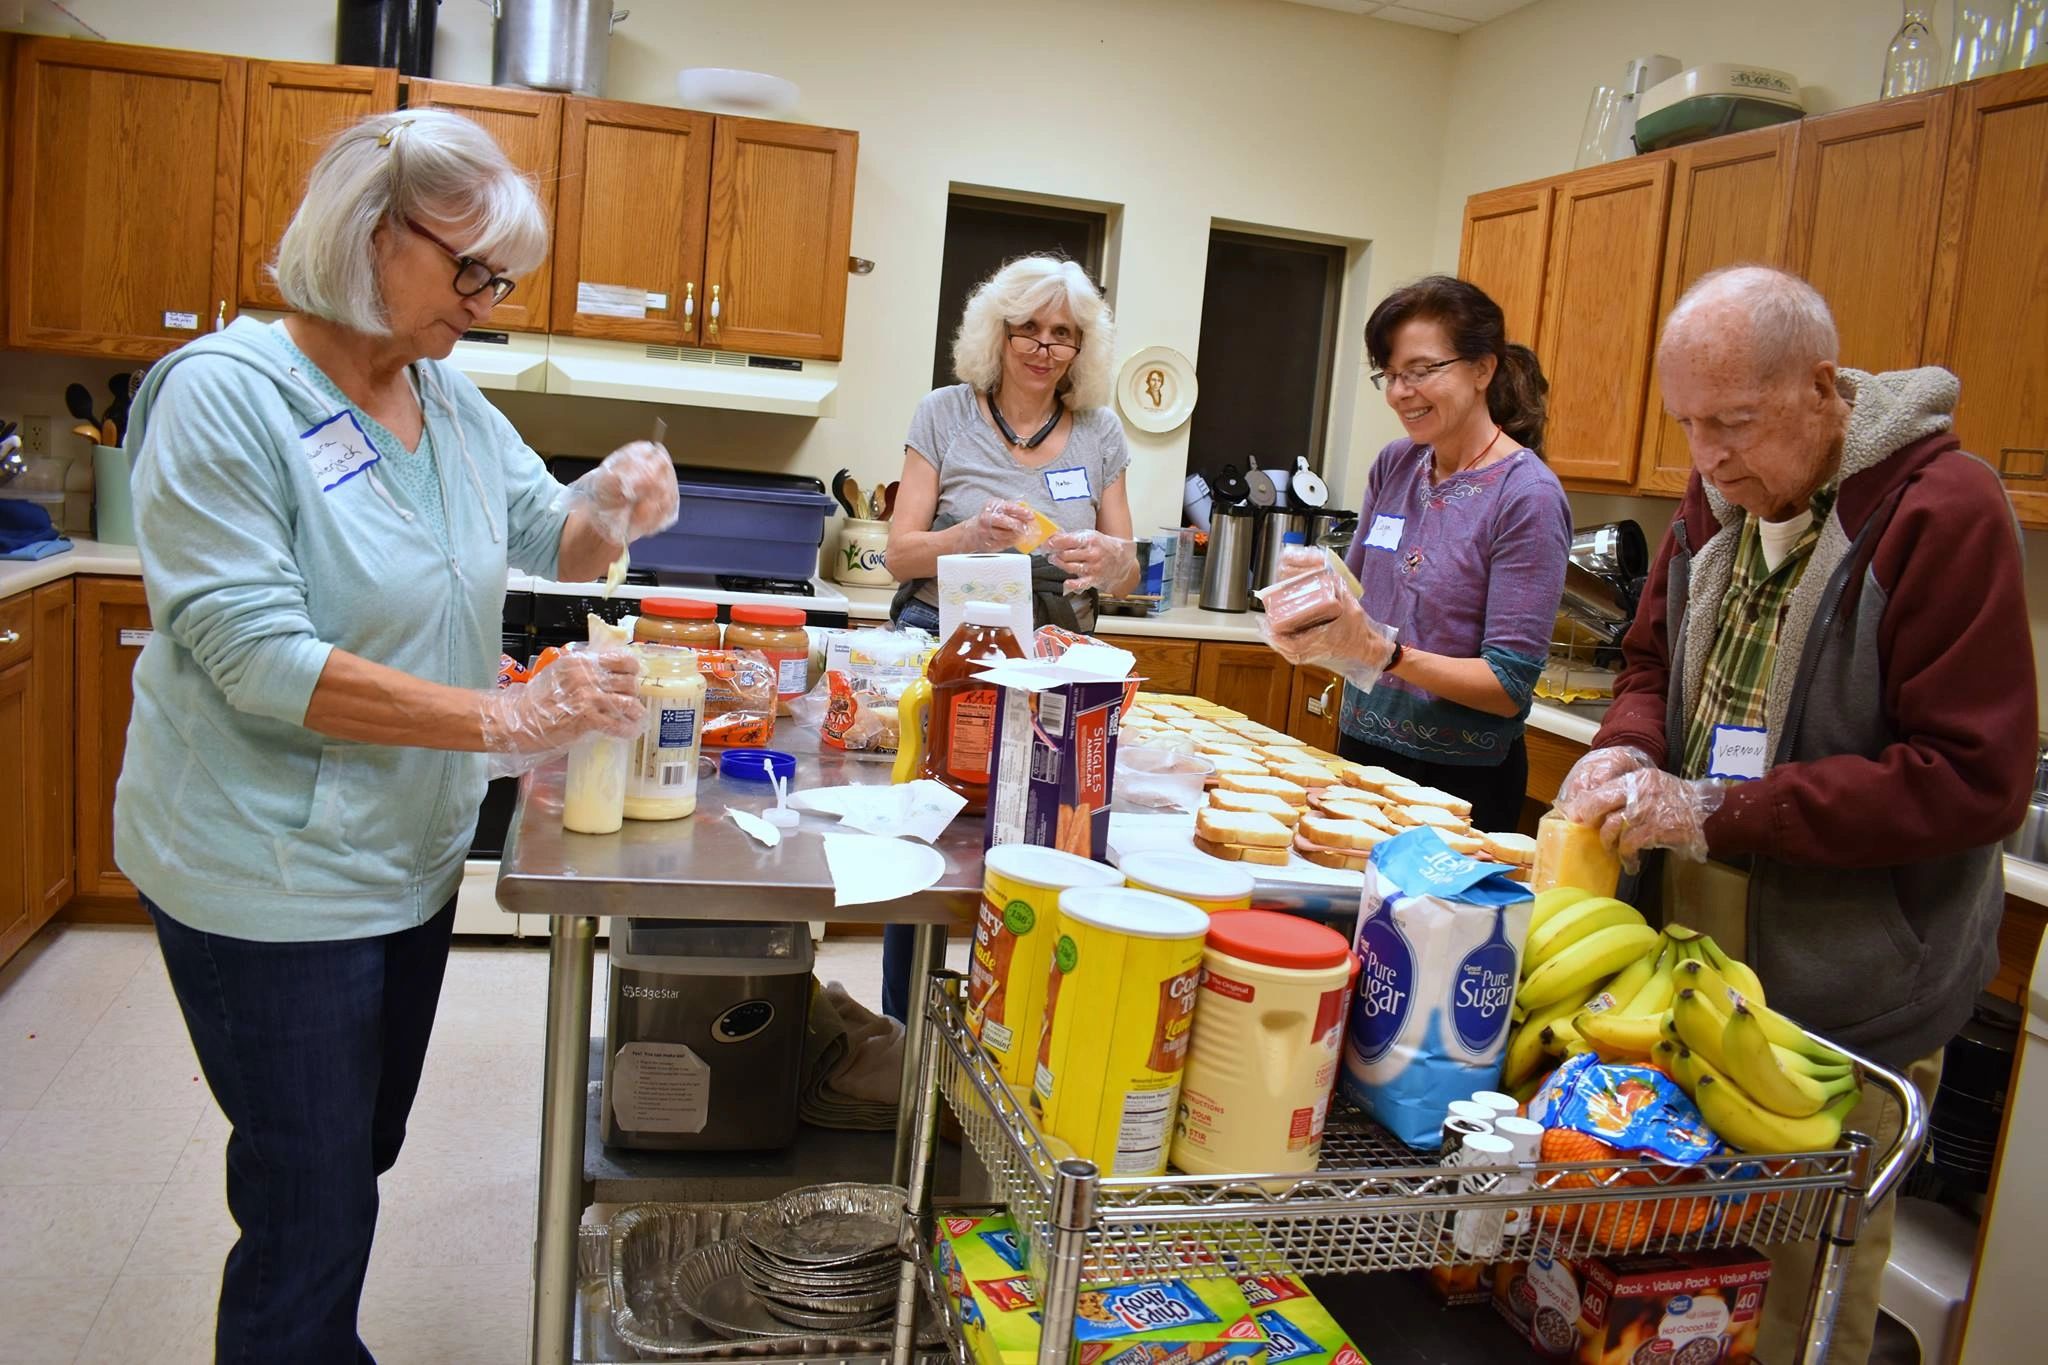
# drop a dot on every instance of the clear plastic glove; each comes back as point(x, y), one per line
point(632, 494)
point(585, 692)
point(997, 526)
point(1349, 643)
point(1664, 811)
point(1593, 789)
point(1092, 559)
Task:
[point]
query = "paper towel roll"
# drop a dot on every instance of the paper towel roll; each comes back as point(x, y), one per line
point(1001, 578)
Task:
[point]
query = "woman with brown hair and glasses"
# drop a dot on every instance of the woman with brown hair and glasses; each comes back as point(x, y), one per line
point(1460, 550)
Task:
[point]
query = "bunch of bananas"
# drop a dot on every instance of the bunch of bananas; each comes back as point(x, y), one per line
point(1596, 978)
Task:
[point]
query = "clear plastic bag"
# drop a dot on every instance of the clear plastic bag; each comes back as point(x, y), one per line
point(1315, 602)
point(854, 704)
point(739, 698)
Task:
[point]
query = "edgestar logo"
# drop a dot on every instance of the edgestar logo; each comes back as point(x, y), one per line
point(650, 993)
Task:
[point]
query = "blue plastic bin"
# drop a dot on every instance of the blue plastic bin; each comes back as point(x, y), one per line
point(735, 521)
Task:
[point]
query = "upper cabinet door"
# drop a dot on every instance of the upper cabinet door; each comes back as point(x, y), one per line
point(1503, 249)
point(629, 234)
point(1600, 315)
point(1865, 200)
point(781, 222)
point(1985, 310)
point(126, 189)
point(527, 125)
point(295, 108)
point(1731, 199)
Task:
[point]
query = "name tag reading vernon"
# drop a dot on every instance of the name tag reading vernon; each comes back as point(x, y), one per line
point(338, 450)
point(1385, 533)
point(1738, 752)
point(1067, 485)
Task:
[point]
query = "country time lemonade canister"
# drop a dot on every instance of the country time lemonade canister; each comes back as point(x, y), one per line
point(1119, 1007)
point(1013, 936)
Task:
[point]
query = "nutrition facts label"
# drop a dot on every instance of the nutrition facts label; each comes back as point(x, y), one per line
point(1141, 1139)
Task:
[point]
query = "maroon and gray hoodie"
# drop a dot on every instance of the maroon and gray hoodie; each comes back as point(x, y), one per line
point(1901, 715)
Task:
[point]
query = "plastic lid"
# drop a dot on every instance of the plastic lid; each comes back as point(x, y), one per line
point(1141, 914)
point(1276, 940)
point(768, 616)
point(986, 614)
point(1055, 869)
point(756, 765)
point(678, 608)
point(1184, 874)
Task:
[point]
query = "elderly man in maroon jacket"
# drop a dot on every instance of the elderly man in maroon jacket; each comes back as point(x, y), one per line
point(1826, 717)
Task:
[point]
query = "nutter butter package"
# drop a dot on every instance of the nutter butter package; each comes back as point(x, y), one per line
point(1299, 1330)
point(1175, 1321)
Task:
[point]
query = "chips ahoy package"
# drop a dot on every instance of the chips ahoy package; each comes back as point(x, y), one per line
point(1439, 947)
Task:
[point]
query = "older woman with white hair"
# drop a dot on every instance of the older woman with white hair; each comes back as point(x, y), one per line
point(1028, 430)
point(326, 513)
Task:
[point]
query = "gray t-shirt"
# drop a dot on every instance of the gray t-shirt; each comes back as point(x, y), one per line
point(974, 465)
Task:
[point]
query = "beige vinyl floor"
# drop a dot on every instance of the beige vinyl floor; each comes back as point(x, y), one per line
point(113, 1221)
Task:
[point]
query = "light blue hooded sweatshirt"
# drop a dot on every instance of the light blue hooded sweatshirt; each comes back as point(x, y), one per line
point(231, 815)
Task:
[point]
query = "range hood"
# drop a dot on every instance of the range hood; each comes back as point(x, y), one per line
point(711, 379)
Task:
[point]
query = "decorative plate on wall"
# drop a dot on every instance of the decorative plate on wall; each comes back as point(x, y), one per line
point(1156, 389)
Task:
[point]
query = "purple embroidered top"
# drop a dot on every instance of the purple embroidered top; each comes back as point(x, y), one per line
point(1472, 567)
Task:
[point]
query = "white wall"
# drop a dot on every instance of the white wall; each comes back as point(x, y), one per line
point(1177, 111)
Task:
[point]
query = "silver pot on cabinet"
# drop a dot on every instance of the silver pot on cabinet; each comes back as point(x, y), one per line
point(553, 44)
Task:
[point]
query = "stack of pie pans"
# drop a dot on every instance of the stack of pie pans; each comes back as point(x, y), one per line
point(824, 1258)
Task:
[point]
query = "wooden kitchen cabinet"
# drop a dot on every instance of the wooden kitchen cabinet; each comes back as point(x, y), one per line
point(1165, 665)
point(294, 109)
point(126, 195)
point(1312, 707)
point(113, 625)
point(7, 44)
point(527, 126)
point(1866, 202)
point(629, 231)
point(1245, 677)
point(53, 705)
point(1505, 246)
point(1985, 308)
point(1599, 315)
point(775, 252)
point(16, 921)
point(1731, 202)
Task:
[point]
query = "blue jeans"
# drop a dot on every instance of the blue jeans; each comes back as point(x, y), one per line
point(313, 1051)
point(919, 613)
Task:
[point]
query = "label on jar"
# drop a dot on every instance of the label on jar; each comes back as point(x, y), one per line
point(793, 676)
point(970, 734)
point(664, 764)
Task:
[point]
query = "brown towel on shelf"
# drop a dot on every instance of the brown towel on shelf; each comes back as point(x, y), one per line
point(853, 1062)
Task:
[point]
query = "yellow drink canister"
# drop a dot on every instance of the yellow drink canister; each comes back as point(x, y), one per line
point(1119, 1007)
point(1203, 883)
point(1013, 937)
point(1570, 854)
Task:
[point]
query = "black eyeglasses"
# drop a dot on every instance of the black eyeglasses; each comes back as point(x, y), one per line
point(1413, 376)
point(472, 276)
point(1024, 344)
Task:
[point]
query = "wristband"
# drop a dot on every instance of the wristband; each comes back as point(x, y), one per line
point(1394, 659)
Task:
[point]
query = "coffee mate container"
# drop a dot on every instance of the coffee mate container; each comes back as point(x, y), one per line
point(1119, 1009)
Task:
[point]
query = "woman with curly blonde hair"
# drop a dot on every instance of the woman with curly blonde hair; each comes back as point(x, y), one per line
point(1028, 431)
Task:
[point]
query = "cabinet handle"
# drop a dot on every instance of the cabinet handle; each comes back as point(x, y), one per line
point(1321, 705)
point(220, 317)
point(714, 312)
point(8, 637)
point(689, 301)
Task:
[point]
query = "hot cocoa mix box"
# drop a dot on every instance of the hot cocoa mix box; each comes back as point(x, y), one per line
point(1695, 1308)
point(1541, 1298)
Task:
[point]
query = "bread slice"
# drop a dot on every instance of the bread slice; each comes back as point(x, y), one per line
point(1435, 817)
point(1371, 777)
point(1240, 827)
point(1228, 749)
point(1234, 766)
point(1224, 799)
point(1355, 810)
point(1325, 832)
point(1292, 793)
point(1356, 796)
point(1468, 844)
point(1310, 776)
point(1333, 857)
point(1242, 853)
point(1410, 795)
point(1312, 754)
point(1517, 850)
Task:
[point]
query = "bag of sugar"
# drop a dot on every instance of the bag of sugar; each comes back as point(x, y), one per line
point(1439, 947)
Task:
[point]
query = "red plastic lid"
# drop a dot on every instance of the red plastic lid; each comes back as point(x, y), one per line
point(768, 616)
point(1276, 940)
point(678, 608)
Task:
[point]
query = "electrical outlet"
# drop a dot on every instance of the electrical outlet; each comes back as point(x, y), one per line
point(35, 436)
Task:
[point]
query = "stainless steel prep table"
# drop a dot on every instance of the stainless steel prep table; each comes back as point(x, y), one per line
point(704, 868)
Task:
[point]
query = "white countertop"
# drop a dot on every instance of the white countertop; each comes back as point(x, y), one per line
point(84, 556)
point(1182, 623)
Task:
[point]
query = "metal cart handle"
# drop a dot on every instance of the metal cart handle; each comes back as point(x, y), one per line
point(1897, 1159)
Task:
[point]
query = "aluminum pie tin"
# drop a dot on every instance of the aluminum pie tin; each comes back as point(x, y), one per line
point(854, 1305)
point(804, 1321)
point(711, 1287)
point(842, 1226)
point(763, 1270)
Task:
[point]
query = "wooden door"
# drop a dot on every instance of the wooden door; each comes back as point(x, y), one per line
point(53, 708)
point(781, 222)
point(629, 232)
point(1599, 318)
point(16, 922)
point(295, 108)
point(126, 191)
point(1164, 665)
point(1505, 244)
point(7, 44)
point(1988, 308)
point(1313, 705)
point(1866, 199)
point(527, 125)
point(113, 625)
point(1250, 678)
point(1731, 200)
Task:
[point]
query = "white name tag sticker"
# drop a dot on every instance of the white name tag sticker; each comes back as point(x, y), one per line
point(338, 450)
point(1738, 752)
point(1385, 533)
point(1067, 485)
